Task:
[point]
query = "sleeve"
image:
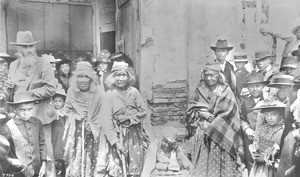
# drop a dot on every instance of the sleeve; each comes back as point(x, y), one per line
point(109, 126)
point(140, 113)
point(49, 82)
point(42, 143)
point(68, 108)
point(244, 122)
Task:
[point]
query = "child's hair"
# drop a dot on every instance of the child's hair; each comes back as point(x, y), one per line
point(279, 110)
point(58, 95)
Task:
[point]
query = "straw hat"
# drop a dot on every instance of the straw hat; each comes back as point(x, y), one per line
point(240, 58)
point(271, 104)
point(24, 38)
point(290, 62)
point(170, 133)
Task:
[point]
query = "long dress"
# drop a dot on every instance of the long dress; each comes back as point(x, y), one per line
point(123, 115)
point(217, 144)
point(77, 103)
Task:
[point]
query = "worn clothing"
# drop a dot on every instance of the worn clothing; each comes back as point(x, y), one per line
point(240, 80)
point(267, 137)
point(76, 106)
point(157, 163)
point(229, 75)
point(40, 81)
point(248, 120)
point(64, 80)
point(58, 128)
point(30, 144)
point(224, 130)
point(123, 116)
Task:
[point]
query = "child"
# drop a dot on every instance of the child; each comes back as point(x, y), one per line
point(28, 135)
point(165, 158)
point(58, 127)
point(255, 84)
point(283, 83)
point(267, 139)
point(240, 61)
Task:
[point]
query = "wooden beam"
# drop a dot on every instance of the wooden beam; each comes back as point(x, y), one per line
point(96, 28)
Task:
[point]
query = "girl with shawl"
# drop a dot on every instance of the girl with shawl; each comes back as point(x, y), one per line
point(214, 113)
point(82, 106)
point(123, 111)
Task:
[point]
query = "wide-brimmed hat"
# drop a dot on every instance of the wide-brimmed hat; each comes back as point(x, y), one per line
point(170, 133)
point(255, 78)
point(241, 57)
point(6, 57)
point(290, 62)
point(24, 38)
point(212, 66)
point(281, 79)
point(221, 44)
point(24, 97)
point(60, 91)
point(269, 104)
point(262, 54)
point(104, 56)
point(295, 29)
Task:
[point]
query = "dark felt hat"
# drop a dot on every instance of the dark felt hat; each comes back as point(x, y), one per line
point(255, 78)
point(23, 97)
point(24, 38)
point(221, 44)
point(259, 55)
point(281, 79)
point(290, 62)
point(7, 57)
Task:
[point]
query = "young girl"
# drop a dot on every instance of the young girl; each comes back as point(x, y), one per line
point(267, 139)
point(58, 127)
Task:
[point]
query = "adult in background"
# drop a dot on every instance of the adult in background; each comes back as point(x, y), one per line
point(214, 112)
point(82, 106)
point(221, 50)
point(124, 111)
point(35, 75)
point(255, 84)
point(263, 62)
point(64, 73)
point(102, 66)
point(240, 60)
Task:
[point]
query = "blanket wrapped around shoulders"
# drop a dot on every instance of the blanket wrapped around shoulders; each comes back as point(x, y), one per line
point(225, 128)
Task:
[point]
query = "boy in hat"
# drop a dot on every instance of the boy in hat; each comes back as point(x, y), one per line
point(221, 50)
point(255, 84)
point(58, 128)
point(28, 135)
point(240, 61)
point(290, 66)
point(283, 84)
point(263, 62)
point(102, 66)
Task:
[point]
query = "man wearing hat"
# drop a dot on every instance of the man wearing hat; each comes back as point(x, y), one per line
point(263, 61)
point(102, 67)
point(221, 50)
point(290, 66)
point(240, 61)
point(254, 83)
point(28, 135)
point(283, 83)
point(35, 75)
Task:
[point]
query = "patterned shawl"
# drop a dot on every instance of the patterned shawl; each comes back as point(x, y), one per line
point(225, 128)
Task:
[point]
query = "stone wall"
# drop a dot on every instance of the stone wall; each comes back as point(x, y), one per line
point(168, 102)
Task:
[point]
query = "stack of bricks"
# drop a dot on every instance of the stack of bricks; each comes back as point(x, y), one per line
point(169, 102)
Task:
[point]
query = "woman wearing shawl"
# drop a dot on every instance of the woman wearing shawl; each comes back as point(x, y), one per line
point(123, 111)
point(83, 126)
point(214, 113)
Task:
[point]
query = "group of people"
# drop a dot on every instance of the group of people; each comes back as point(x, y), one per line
point(55, 121)
point(245, 123)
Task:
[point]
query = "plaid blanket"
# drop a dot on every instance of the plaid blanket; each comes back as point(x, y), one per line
point(225, 128)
